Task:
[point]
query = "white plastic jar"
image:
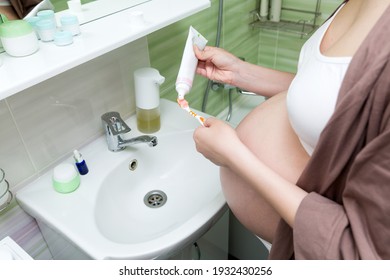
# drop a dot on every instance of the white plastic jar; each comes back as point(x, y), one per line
point(63, 38)
point(70, 23)
point(46, 30)
point(33, 22)
point(18, 38)
point(47, 15)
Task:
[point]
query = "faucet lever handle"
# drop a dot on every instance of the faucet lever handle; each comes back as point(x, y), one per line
point(115, 123)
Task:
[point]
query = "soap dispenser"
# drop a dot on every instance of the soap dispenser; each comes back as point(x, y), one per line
point(147, 83)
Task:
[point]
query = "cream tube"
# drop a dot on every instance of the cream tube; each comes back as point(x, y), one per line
point(189, 62)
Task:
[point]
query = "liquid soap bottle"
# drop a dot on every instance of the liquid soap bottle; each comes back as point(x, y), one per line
point(147, 83)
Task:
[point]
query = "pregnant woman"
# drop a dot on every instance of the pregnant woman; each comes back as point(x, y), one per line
point(308, 170)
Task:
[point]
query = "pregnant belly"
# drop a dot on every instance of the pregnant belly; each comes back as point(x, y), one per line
point(267, 132)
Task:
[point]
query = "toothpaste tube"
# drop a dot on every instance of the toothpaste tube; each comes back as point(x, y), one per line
point(189, 62)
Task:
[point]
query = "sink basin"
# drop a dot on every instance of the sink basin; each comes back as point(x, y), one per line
point(140, 203)
point(172, 175)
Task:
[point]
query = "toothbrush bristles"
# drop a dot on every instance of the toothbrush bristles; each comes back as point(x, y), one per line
point(184, 105)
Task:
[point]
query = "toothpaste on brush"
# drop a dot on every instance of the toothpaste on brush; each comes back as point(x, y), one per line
point(184, 105)
point(189, 62)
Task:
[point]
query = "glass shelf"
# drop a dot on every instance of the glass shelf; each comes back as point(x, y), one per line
point(97, 38)
point(302, 27)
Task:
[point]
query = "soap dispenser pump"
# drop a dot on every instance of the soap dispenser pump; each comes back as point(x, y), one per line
point(147, 83)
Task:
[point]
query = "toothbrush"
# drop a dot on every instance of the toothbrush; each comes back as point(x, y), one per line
point(184, 105)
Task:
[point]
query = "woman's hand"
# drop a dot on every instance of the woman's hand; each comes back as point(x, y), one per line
point(217, 141)
point(217, 64)
point(220, 143)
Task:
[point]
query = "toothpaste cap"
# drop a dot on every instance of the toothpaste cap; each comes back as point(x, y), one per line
point(182, 89)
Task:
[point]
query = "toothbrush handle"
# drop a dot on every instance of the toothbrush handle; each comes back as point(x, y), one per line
point(199, 118)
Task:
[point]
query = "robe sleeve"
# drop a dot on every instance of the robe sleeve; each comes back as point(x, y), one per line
point(359, 228)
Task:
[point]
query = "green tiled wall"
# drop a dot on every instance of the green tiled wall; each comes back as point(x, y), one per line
point(270, 48)
point(166, 47)
point(60, 5)
point(276, 49)
point(279, 49)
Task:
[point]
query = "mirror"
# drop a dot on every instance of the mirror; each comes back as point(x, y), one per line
point(60, 5)
point(95, 9)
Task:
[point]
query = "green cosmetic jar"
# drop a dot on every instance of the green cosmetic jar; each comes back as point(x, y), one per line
point(66, 179)
point(18, 38)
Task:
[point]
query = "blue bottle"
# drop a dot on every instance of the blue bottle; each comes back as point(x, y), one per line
point(80, 163)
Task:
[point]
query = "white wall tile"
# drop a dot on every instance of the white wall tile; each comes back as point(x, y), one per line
point(14, 159)
point(62, 113)
point(44, 123)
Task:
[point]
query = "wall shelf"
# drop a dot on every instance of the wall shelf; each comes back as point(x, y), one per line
point(301, 27)
point(97, 38)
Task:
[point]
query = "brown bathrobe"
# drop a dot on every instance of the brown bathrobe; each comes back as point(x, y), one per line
point(346, 214)
point(23, 7)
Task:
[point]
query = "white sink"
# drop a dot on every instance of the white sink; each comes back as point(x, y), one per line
point(109, 217)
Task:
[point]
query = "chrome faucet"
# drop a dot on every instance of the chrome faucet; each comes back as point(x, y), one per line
point(115, 128)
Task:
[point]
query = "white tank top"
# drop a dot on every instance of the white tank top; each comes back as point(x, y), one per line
point(312, 95)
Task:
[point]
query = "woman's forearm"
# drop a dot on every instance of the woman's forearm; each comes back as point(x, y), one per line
point(282, 195)
point(219, 65)
point(261, 80)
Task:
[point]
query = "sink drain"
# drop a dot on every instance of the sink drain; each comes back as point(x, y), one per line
point(133, 165)
point(155, 199)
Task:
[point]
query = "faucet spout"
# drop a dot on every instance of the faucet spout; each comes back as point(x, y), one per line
point(115, 128)
point(147, 139)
